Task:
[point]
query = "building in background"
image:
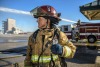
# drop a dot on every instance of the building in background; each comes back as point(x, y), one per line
point(9, 27)
point(1, 32)
point(16, 30)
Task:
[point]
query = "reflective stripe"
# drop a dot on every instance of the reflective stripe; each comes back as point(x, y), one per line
point(89, 44)
point(43, 59)
point(27, 66)
point(68, 51)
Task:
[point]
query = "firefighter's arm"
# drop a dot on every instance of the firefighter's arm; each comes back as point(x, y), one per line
point(68, 48)
point(27, 61)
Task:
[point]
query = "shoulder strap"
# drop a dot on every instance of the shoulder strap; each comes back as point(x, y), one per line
point(35, 35)
point(33, 38)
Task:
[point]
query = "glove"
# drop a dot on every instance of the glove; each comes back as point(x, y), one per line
point(56, 49)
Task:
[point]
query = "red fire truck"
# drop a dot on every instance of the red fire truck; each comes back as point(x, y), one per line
point(89, 31)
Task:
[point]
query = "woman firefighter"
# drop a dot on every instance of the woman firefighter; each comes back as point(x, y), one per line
point(48, 46)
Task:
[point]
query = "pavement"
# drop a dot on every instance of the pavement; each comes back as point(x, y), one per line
point(12, 54)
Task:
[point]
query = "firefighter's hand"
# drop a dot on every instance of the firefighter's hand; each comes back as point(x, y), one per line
point(56, 49)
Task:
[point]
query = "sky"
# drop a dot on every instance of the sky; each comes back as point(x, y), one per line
point(20, 11)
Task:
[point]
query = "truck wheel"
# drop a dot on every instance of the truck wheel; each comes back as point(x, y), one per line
point(91, 39)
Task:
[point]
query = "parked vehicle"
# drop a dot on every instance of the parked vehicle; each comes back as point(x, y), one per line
point(89, 31)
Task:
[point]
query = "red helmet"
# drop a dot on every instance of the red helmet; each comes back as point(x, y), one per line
point(46, 10)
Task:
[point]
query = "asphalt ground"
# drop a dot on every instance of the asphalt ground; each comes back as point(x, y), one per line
point(81, 59)
point(84, 57)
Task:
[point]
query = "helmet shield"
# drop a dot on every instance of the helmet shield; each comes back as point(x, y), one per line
point(35, 12)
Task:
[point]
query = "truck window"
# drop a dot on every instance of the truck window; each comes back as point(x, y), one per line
point(65, 28)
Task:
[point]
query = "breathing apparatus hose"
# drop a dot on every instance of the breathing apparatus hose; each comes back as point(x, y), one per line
point(39, 57)
point(43, 37)
point(52, 63)
point(50, 42)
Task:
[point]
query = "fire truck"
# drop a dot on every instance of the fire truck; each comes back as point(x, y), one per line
point(83, 30)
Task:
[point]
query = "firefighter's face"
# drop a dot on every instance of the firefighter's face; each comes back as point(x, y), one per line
point(42, 22)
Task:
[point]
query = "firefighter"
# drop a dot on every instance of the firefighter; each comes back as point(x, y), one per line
point(77, 36)
point(48, 46)
point(73, 33)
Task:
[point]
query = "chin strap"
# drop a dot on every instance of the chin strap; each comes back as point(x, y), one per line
point(47, 24)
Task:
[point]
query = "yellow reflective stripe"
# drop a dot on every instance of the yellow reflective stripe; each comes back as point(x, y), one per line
point(68, 51)
point(43, 59)
point(89, 44)
point(27, 66)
